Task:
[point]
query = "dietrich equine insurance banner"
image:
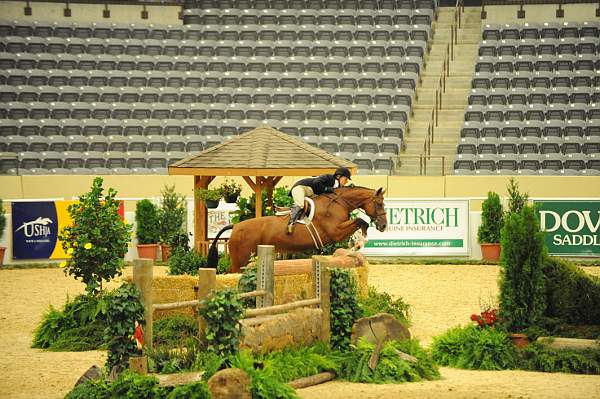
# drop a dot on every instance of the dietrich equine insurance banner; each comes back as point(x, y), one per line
point(422, 228)
point(35, 227)
point(571, 226)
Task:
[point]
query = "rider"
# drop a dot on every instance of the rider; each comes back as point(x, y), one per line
point(314, 186)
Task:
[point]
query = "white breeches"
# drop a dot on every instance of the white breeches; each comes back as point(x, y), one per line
point(298, 194)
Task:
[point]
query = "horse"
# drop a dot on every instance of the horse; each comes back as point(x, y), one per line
point(331, 221)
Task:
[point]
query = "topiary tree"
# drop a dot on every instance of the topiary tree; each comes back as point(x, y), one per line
point(522, 281)
point(171, 214)
point(97, 239)
point(148, 225)
point(491, 219)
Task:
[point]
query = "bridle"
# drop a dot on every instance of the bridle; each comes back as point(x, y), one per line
point(346, 203)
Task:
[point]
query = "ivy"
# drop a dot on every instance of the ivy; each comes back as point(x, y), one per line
point(123, 310)
point(222, 313)
point(97, 240)
point(344, 307)
point(247, 283)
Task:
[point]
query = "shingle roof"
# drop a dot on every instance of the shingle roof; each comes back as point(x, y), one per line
point(258, 150)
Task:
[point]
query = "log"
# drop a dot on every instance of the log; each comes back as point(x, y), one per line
point(251, 294)
point(569, 343)
point(312, 380)
point(281, 308)
point(176, 305)
point(169, 380)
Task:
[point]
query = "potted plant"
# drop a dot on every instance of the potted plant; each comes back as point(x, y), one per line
point(488, 234)
point(210, 197)
point(2, 226)
point(231, 191)
point(147, 229)
point(171, 217)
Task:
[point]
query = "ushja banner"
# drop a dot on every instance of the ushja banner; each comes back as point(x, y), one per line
point(422, 227)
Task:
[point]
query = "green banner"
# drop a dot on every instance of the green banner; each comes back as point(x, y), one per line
point(440, 243)
point(571, 227)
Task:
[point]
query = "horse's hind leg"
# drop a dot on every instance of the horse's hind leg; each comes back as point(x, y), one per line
point(239, 255)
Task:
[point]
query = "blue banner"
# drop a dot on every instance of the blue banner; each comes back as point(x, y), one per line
point(35, 229)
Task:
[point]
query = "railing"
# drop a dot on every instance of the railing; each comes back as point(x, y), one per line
point(441, 89)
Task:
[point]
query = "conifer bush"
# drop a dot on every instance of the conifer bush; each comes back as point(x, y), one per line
point(491, 220)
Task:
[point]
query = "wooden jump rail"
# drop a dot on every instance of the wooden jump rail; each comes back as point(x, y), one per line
point(143, 277)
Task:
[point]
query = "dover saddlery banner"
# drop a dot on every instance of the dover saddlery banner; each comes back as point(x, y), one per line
point(572, 227)
point(423, 228)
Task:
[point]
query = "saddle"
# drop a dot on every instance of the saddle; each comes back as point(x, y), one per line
point(309, 211)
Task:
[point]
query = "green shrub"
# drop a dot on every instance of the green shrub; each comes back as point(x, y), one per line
point(148, 223)
point(171, 214)
point(222, 313)
point(173, 330)
point(391, 368)
point(134, 386)
point(474, 348)
point(491, 219)
point(224, 264)
point(539, 357)
point(91, 389)
point(2, 219)
point(572, 295)
point(293, 363)
point(522, 282)
point(97, 240)
point(195, 390)
point(516, 200)
point(382, 302)
point(344, 307)
point(185, 262)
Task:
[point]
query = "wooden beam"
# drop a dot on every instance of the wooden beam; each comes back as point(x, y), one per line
point(276, 179)
point(200, 212)
point(258, 191)
point(248, 180)
point(313, 171)
point(276, 309)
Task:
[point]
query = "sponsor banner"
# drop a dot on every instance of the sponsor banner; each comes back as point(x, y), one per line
point(219, 218)
point(422, 228)
point(571, 227)
point(36, 226)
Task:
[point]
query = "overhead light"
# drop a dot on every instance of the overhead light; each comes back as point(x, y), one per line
point(27, 10)
point(106, 11)
point(521, 12)
point(144, 12)
point(67, 10)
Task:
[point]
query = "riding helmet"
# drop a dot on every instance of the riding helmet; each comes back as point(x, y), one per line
point(342, 171)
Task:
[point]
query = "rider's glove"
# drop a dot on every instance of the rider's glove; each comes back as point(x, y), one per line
point(328, 189)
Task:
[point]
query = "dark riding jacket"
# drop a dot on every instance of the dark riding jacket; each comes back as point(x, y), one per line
point(320, 184)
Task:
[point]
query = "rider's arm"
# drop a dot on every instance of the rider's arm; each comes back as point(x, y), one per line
point(323, 184)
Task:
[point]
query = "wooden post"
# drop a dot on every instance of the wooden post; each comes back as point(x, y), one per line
point(200, 213)
point(207, 281)
point(142, 278)
point(258, 191)
point(322, 286)
point(264, 274)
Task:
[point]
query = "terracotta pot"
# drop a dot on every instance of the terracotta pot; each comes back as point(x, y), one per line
point(210, 204)
point(490, 252)
point(165, 251)
point(2, 249)
point(147, 251)
point(519, 340)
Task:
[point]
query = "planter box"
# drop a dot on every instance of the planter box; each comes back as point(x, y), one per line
point(490, 252)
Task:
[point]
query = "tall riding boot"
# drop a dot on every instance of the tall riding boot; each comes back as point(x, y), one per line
point(295, 214)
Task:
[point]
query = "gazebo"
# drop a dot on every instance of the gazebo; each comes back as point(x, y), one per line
point(262, 157)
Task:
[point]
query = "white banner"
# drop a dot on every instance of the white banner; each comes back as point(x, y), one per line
point(422, 228)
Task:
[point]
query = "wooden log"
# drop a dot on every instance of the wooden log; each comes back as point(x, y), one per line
point(251, 294)
point(169, 380)
point(569, 343)
point(312, 380)
point(176, 305)
point(264, 275)
point(281, 308)
point(143, 278)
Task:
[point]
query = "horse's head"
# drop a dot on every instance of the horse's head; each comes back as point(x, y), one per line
point(376, 210)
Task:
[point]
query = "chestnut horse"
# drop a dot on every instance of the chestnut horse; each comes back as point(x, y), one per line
point(331, 220)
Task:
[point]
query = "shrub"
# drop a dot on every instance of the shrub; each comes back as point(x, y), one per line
point(171, 214)
point(206, 194)
point(516, 200)
point(247, 283)
point(224, 265)
point(539, 357)
point(382, 302)
point(344, 307)
point(571, 294)
point(474, 348)
point(98, 238)
point(173, 330)
point(491, 220)
point(185, 262)
point(2, 219)
point(148, 225)
point(522, 283)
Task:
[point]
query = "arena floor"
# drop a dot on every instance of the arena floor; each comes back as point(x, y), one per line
point(441, 296)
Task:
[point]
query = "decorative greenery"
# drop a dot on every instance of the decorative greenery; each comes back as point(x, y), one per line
point(171, 331)
point(171, 214)
point(230, 188)
point(474, 348)
point(572, 295)
point(2, 219)
point(184, 261)
point(247, 206)
point(491, 219)
point(195, 390)
point(79, 326)
point(123, 309)
point(98, 238)
point(247, 283)
point(344, 307)
point(293, 363)
point(522, 282)
point(186, 355)
point(487, 318)
point(224, 264)
point(516, 200)
point(390, 368)
point(222, 313)
point(147, 222)
point(206, 194)
point(382, 302)
point(539, 357)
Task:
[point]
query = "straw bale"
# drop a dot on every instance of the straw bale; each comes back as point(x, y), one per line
point(229, 280)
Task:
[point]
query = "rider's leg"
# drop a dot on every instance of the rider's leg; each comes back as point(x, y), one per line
point(298, 194)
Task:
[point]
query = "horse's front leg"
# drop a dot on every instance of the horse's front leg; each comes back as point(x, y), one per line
point(347, 228)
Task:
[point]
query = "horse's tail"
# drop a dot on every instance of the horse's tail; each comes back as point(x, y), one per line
point(213, 254)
